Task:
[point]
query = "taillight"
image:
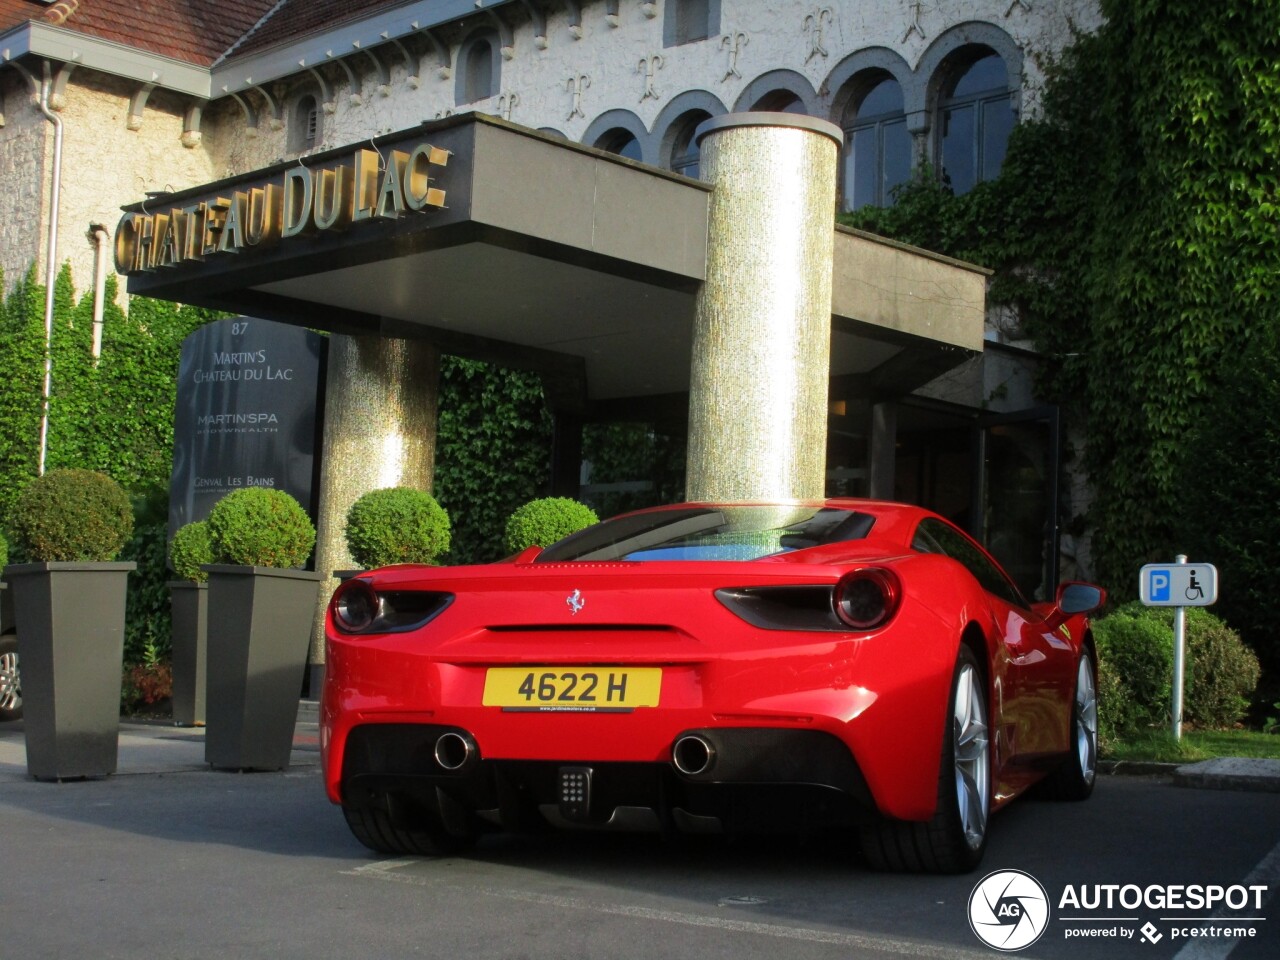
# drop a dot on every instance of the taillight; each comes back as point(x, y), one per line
point(867, 599)
point(355, 606)
point(358, 607)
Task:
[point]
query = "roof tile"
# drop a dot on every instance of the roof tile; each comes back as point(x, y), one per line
point(194, 31)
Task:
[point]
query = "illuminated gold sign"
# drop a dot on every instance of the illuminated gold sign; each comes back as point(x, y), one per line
point(363, 186)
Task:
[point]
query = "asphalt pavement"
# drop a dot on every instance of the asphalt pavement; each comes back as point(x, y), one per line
point(168, 858)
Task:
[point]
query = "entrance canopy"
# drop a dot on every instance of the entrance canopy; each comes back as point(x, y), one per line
point(500, 243)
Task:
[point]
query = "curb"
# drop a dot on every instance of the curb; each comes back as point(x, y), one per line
point(1231, 773)
point(1137, 768)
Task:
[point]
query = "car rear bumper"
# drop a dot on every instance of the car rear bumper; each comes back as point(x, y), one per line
point(748, 778)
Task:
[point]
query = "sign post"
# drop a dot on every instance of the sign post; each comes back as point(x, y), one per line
point(1178, 585)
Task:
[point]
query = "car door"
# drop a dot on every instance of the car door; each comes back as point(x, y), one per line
point(1031, 665)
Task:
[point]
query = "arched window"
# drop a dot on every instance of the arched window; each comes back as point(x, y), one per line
point(478, 69)
point(304, 125)
point(877, 147)
point(622, 142)
point(685, 155)
point(977, 118)
point(780, 101)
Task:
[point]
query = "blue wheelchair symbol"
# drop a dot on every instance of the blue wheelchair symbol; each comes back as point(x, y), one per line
point(1159, 585)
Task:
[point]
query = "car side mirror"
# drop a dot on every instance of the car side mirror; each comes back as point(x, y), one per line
point(1076, 597)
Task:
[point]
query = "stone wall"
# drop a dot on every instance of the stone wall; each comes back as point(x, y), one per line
point(104, 166)
point(23, 145)
point(611, 76)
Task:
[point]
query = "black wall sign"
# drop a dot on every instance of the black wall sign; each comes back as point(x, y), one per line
point(248, 391)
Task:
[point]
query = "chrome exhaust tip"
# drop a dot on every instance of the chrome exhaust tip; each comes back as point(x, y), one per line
point(693, 754)
point(453, 751)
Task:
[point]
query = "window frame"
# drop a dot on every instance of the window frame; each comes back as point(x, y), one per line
point(977, 102)
point(464, 89)
point(878, 123)
point(676, 30)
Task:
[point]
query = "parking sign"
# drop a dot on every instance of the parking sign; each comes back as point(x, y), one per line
point(1178, 584)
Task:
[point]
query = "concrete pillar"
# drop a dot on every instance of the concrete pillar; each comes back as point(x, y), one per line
point(882, 452)
point(380, 416)
point(762, 335)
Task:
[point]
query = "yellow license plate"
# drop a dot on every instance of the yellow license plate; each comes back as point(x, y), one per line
point(574, 689)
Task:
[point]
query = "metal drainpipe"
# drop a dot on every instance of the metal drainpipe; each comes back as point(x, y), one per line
point(51, 264)
point(100, 239)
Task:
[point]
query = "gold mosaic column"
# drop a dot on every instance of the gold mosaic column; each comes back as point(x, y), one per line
point(762, 335)
point(379, 431)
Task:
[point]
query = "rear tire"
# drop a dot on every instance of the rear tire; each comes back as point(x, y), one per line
point(1075, 778)
point(417, 833)
point(10, 679)
point(954, 839)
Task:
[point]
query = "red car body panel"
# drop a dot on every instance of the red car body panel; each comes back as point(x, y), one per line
point(882, 693)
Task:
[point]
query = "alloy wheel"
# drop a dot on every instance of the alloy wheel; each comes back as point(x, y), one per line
point(972, 755)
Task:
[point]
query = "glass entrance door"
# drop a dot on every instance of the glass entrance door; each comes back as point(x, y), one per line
point(1016, 496)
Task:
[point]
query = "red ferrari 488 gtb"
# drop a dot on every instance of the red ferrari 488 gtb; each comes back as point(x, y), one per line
point(846, 664)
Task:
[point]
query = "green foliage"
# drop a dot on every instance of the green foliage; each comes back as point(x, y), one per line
point(115, 415)
point(191, 549)
point(1232, 519)
point(1159, 746)
point(260, 527)
point(21, 382)
point(4, 551)
point(493, 452)
point(148, 622)
point(146, 684)
point(1135, 670)
point(543, 522)
point(72, 515)
point(631, 452)
point(1135, 230)
point(396, 525)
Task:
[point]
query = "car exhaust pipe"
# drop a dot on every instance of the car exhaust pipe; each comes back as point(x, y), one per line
point(693, 754)
point(454, 750)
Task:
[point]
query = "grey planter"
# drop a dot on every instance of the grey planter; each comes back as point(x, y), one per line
point(189, 603)
point(70, 624)
point(259, 631)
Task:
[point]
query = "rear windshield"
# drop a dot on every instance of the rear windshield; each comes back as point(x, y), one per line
point(711, 533)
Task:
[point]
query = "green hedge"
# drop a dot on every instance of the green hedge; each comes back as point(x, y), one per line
point(148, 623)
point(1135, 670)
point(493, 452)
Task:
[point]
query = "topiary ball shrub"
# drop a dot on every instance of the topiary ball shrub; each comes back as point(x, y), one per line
point(396, 525)
point(1135, 671)
point(260, 527)
point(189, 549)
point(72, 515)
point(543, 522)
